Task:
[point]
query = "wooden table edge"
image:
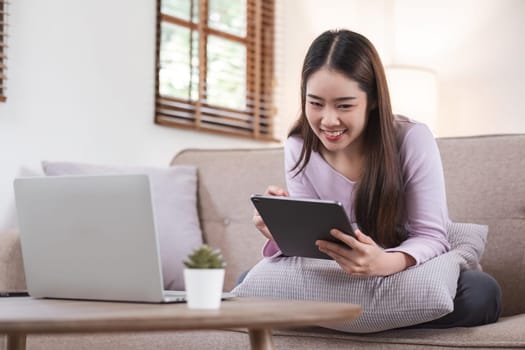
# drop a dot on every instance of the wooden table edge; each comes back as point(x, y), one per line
point(259, 330)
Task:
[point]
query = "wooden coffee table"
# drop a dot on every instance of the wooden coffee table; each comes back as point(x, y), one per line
point(22, 316)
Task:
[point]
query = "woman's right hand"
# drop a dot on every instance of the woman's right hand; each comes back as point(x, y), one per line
point(257, 220)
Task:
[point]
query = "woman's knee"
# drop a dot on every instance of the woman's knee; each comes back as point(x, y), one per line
point(479, 295)
point(477, 302)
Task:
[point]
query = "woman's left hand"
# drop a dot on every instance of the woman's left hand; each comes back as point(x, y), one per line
point(365, 257)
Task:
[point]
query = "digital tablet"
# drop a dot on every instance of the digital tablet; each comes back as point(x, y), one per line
point(297, 223)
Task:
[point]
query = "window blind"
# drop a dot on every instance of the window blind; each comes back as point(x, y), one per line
point(215, 66)
point(3, 49)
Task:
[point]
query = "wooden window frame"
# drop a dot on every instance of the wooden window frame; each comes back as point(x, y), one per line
point(3, 49)
point(256, 120)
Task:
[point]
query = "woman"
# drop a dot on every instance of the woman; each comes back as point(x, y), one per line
point(385, 169)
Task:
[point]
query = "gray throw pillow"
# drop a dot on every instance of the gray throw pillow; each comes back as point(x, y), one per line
point(174, 197)
point(468, 240)
point(413, 296)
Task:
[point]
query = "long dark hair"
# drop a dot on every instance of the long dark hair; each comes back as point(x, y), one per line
point(378, 200)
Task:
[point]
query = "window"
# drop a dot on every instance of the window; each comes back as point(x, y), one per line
point(215, 66)
point(3, 48)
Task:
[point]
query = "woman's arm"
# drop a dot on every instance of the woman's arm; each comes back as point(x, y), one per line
point(425, 196)
point(426, 215)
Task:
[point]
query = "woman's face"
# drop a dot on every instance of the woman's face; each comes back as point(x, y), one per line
point(336, 109)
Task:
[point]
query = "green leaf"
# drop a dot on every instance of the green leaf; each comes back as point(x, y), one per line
point(205, 257)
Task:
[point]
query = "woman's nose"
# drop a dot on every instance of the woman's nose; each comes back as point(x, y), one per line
point(331, 117)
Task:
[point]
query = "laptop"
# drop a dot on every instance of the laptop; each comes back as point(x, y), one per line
point(92, 238)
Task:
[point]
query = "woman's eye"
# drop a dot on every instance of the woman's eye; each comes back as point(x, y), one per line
point(345, 106)
point(315, 104)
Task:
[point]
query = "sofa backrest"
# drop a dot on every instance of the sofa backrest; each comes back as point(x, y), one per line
point(226, 179)
point(484, 183)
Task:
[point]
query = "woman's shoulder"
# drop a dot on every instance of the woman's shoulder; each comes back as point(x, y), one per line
point(293, 143)
point(409, 129)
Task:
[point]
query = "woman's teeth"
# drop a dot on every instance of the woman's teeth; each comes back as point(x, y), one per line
point(334, 133)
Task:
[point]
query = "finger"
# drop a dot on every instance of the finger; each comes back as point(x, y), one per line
point(272, 190)
point(261, 226)
point(361, 237)
point(276, 191)
point(335, 249)
point(360, 243)
point(326, 249)
point(342, 260)
point(266, 232)
point(258, 221)
point(345, 238)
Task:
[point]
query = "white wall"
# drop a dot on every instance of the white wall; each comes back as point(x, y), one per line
point(81, 87)
point(474, 46)
point(81, 73)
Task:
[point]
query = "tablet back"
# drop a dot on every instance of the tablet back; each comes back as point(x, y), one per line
point(297, 223)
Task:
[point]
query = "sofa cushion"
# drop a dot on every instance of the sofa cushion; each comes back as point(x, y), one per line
point(507, 333)
point(413, 296)
point(174, 196)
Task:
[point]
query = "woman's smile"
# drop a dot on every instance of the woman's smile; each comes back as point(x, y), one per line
point(333, 135)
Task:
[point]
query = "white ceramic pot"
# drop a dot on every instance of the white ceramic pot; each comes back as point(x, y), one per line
point(204, 288)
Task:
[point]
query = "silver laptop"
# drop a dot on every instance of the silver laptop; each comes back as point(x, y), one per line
point(90, 237)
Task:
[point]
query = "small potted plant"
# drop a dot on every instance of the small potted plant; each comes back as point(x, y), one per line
point(204, 278)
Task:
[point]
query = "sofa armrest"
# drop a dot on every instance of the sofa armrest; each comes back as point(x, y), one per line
point(11, 265)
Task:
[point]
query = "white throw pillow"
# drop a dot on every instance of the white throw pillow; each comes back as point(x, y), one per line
point(174, 196)
point(410, 297)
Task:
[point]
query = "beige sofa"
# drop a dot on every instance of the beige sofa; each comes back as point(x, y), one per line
point(485, 184)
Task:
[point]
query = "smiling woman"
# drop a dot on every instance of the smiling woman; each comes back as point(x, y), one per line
point(215, 66)
point(385, 169)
